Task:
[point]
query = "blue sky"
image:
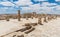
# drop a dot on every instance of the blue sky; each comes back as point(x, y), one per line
point(39, 6)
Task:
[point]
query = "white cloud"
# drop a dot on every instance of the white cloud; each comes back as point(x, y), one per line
point(7, 3)
point(33, 8)
point(48, 4)
point(24, 2)
point(37, 8)
point(18, 3)
point(57, 0)
point(40, 0)
point(57, 7)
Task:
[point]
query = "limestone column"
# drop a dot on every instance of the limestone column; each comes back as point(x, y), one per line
point(40, 21)
point(7, 18)
point(19, 15)
point(32, 17)
point(26, 18)
point(34, 14)
point(45, 19)
point(49, 18)
point(56, 17)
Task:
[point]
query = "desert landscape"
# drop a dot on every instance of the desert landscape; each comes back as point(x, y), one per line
point(29, 25)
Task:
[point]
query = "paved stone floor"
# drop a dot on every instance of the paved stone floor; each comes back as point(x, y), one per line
point(50, 29)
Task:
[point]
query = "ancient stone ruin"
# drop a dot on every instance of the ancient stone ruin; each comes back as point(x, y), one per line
point(19, 15)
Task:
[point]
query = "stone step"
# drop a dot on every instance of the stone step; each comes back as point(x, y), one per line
point(32, 29)
point(24, 29)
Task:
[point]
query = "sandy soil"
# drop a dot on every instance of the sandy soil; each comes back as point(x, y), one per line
point(50, 29)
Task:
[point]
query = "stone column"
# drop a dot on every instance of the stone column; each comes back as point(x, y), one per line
point(19, 15)
point(45, 19)
point(26, 18)
point(34, 14)
point(32, 17)
point(49, 18)
point(56, 17)
point(40, 21)
point(7, 18)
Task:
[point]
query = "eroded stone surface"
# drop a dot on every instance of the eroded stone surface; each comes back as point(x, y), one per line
point(50, 29)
